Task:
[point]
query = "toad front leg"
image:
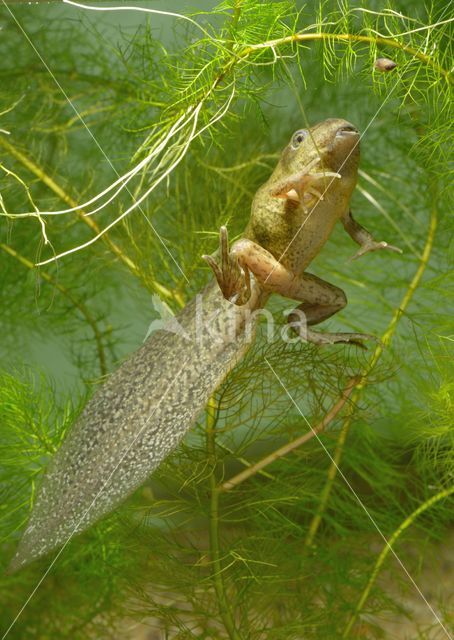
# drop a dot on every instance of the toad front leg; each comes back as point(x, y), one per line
point(304, 188)
point(360, 235)
point(320, 299)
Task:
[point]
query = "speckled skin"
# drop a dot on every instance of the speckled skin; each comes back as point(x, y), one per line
point(136, 419)
point(144, 409)
point(302, 230)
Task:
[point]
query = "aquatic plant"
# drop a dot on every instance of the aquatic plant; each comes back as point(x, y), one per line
point(124, 145)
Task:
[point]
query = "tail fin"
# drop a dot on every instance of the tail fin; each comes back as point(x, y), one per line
point(135, 420)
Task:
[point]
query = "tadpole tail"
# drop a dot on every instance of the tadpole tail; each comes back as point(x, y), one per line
point(135, 420)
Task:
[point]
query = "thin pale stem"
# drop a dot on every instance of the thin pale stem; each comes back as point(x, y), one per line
point(385, 341)
point(294, 444)
point(350, 37)
point(387, 548)
point(224, 609)
point(65, 197)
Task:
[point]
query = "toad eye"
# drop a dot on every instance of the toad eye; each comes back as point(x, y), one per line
point(298, 137)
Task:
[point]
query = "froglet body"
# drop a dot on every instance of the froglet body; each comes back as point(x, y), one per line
point(141, 413)
point(292, 217)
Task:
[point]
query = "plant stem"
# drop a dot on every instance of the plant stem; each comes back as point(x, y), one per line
point(79, 305)
point(388, 547)
point(65, 197)
point(236, 15)
point(385, 340)
point(294, 444)
point(224, 609)
point(351, 37)
point(243, 54)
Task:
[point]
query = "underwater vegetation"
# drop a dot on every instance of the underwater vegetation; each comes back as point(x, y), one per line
point(314, 491)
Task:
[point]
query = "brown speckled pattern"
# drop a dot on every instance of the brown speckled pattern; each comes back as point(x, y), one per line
point(273, 224)
point(144, 409)
point(133, 422)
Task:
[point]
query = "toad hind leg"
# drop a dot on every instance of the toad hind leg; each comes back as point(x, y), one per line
point(320, 299)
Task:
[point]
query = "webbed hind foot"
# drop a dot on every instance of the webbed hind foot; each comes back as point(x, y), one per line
point(323, 338)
